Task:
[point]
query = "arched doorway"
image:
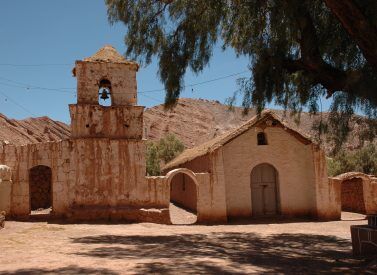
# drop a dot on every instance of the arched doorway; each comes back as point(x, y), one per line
point(40, 189)
point(264, 190)
point(183, 196)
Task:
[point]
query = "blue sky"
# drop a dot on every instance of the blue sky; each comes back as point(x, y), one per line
point(49, 35)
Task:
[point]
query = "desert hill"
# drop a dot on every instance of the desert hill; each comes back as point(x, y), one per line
point(31, 130)
point(193, 121)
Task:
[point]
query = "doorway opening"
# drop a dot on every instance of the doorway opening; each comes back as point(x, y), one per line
point(264, 190)
point(40, 190)
point(352, 196)
point(183, 198)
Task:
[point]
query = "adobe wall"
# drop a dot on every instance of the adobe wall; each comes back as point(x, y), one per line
point(370, 195)
point(212, 188)
point(369, 188)
point(90, 178)
point(121, 76)
point(113, 121)
point(293, 161)
point(5, 189)
point(211, 199)
point(183, 192)
point(353, 195)
point(200, 164)
point(326, 192)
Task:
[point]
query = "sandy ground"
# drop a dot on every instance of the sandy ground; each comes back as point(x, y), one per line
point(274, 247)
point(181, 216)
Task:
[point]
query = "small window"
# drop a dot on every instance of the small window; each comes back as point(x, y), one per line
point(261, 137)
point(104, 93)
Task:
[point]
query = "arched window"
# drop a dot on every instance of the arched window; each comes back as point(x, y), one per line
point(104, 92)
point(261, 137)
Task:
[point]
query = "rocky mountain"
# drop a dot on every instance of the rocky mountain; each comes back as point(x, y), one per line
point(31, 130)
point(193, 121)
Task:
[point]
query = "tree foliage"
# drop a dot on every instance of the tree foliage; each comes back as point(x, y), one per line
point(363, 160)
point(299, 50)
point(152, 159)
point(161, 152)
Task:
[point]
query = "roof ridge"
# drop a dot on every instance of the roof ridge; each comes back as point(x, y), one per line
point(215, 143)
point(108, 54)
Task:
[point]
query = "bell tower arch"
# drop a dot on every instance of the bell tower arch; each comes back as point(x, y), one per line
point(106, 97)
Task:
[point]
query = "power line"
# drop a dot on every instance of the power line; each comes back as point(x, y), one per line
point(65, 90)
point(200, 83)
point(34, 65)
point(16, 103)
point(29, 86)
point(154, 99)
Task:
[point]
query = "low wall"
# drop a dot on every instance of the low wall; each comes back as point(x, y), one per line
point(370, 195)
point(5, 188)
point(350, 185)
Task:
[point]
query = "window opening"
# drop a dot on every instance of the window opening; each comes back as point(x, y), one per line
point(104, 93)
point(261, 137)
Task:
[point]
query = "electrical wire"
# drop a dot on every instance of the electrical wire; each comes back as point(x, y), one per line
point(199, 83)
point(16, 103)
point(29, 86)
point(33, 65)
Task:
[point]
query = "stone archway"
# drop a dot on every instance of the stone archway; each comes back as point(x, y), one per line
point(40, 188)
point(183, 187)
point(264, 190)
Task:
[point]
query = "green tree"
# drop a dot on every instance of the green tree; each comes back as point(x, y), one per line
point(363, 160)
point(169, 147)
point(152, 159)
point(161, 152)
point(299, 50)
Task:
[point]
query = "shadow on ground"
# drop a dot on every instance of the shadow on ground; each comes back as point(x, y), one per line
point(229, 253)
point(70, 270)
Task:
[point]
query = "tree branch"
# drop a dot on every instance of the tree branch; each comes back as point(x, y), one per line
point(313, 65)
point(357, 26)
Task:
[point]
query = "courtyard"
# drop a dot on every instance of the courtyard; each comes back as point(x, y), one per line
point(295, 246)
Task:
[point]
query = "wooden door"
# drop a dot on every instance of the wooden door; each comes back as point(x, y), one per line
point(264, 190)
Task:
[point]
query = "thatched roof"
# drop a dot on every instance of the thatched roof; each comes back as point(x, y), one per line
point(108, 54)
point(213, 144)
point(352, 175)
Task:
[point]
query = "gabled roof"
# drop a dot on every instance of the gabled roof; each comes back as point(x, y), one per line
point(108, 54)
point(213, 144)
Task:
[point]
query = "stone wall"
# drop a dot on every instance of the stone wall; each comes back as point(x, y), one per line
point(90, 177)
point(353, 195)
point(363, 188)
point(121, 76)
point(5, 188)
point(2, 219)
point(119, 122)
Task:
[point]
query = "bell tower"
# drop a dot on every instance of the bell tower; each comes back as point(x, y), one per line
point(106, 98)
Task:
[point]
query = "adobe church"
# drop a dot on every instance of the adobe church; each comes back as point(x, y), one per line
point(263, 168)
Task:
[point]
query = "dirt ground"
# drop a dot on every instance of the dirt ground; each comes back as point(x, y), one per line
point(264, 246)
